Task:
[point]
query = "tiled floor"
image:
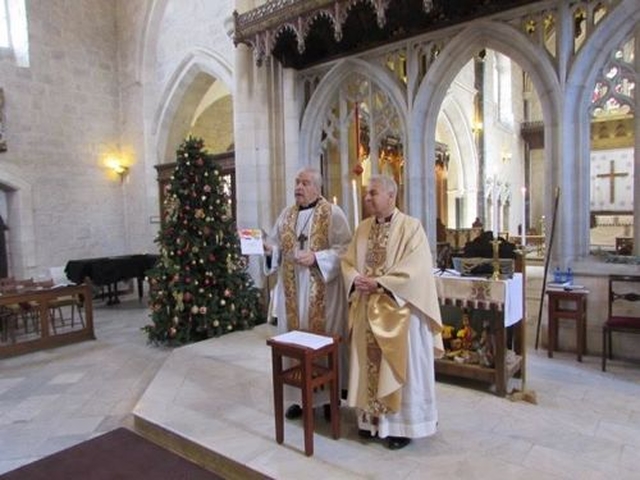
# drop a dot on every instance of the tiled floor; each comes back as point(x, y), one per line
point(217, 393)
point(54, 399)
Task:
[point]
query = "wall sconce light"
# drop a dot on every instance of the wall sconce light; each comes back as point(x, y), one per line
point(477, 127)
point(116, 165)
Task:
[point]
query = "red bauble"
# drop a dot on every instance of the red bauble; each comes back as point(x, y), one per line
point(358, 169)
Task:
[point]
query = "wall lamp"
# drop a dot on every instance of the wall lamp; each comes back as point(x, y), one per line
point(116, 165)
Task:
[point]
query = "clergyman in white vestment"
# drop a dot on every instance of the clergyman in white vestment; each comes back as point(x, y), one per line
point(304, 248)
point(394, 322)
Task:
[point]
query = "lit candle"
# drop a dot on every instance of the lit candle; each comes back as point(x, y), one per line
point(524, 217)
point(356, 210)
point(335, 200)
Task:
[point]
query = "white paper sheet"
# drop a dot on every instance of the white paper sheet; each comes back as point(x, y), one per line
point(305, 339)
point(251, 241)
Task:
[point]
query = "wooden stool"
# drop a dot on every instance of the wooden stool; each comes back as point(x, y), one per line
point(308, 374)
point(571, 305)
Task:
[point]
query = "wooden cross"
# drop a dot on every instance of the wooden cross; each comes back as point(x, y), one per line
point(612, 179)
point(302, 238)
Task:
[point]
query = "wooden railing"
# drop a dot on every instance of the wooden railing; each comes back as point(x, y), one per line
point(39, 318)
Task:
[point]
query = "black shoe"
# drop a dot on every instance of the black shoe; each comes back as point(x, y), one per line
point(366, 434)
point(293, 412)
point(326, 408)
point(396, 443)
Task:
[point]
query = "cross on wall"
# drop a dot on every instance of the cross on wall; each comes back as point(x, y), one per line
point(612, 175)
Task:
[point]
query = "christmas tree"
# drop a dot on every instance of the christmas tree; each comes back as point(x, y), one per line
point(200, 287)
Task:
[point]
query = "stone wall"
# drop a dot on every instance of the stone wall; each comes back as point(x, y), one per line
point(61, 119)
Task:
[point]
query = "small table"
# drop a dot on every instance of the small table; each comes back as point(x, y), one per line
point(308, 374)
point(570, 305)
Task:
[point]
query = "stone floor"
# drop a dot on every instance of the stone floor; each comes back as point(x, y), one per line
point(217, 393)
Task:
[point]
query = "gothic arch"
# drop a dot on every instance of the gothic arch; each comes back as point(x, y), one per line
point(611, 32)
point(145, 55)
point(312, 119)
point(464, 152)
point(21, 234)
point(195, 73)
point(433, 90)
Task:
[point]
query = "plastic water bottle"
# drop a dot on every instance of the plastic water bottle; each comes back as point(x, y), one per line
point(557, 276)
point(569, 276)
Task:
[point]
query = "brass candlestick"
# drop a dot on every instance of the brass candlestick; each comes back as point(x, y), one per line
point(496, 259)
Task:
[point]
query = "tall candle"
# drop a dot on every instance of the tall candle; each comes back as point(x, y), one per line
point(494, 194)
point(354, 188)
point(524, 217)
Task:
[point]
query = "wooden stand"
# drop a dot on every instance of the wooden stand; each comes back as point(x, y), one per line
point(570, 305)
point(309, 374)
point(506, 363)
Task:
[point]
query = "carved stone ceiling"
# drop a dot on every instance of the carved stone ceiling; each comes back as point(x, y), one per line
point(301, 33)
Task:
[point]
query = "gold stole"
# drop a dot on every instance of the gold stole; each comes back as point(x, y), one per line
point(386, 329)
point(319, 240)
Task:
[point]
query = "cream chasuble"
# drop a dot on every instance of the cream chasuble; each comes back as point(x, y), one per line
point(395, 333)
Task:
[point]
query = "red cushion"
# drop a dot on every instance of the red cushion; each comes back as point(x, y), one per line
point(623, 322)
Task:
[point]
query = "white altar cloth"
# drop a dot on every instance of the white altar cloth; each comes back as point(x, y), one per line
point(482, 293)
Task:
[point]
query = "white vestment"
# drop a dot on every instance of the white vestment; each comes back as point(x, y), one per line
point(328, 263)
point(406, 276)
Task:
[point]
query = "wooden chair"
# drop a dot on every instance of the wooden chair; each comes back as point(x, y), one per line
point(23, 311)
point(623, 311)
point(74, 302)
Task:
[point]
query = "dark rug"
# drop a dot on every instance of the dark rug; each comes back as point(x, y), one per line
point(119, 454)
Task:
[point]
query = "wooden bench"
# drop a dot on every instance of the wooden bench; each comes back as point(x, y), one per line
point(40, 301)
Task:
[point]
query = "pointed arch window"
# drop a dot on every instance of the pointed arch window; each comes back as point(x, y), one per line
point(613, 94)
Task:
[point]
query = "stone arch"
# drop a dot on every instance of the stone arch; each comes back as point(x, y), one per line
point(581, 78)
point(21, 235)
point(145, 54)
point(313, 116)
point(193, 76)
point(464, 152)
point(433, 90)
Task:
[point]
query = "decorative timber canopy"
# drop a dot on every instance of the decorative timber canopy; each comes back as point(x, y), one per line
point(300, 33)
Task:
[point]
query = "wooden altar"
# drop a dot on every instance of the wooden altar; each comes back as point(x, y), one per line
point(501, 305)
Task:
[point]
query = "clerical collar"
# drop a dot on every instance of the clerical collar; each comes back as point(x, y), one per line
point(385, 219)
point(311, 205)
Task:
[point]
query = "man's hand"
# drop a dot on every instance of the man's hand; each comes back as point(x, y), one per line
point(306, 258)
point(365, 284)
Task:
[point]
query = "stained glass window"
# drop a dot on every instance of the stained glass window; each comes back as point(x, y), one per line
point(614, 91)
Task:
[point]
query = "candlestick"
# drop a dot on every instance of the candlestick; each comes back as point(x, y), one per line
point(356, 210)
point(524, 218)
point(496, 259)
